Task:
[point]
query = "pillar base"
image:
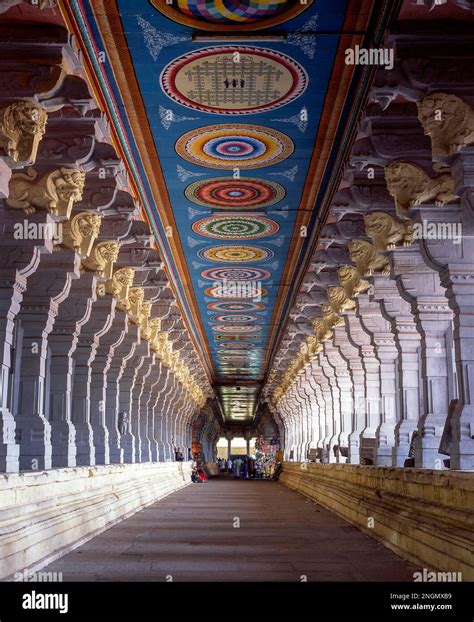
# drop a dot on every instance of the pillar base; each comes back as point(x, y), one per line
point(127, 443)
point(427, 443)
point(63, 441)
point(35, 443)
point(85, 455)
point(385, 437)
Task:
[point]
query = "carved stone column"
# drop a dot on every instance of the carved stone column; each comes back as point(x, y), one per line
point(351, 353)
point(420, 285)
point(16, 264)
point(37, 317)
point(126, 382)
point(74, 312)
point(407, 341)
point(103, 422)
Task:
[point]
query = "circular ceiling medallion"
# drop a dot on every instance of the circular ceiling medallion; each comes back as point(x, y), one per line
point(235, 254)
point(227, 14)
point(239, 337)
point(211, 80)
point(229, 146)
point(237, 328)
point(230, 193)
point(236, 306)
point(236, 345)
point(226, 290)
point(236, 274)
point(221, 352)
point(235, 318)
point(235, 227)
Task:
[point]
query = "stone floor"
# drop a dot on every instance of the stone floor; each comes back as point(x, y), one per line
point(192, 535)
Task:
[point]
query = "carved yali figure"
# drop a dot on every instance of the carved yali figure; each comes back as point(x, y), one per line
point(409, 185)
point(387, 232)
point(330, 320)
point(81, 231)
point(102, 258)
point(321, 330)
point(136, 296)
point(119, 285)
point(339, 301)
point(351, 282)
point(448, 121)
point(56, 191)
point(22, 126)
point(313, 345)
point(366, 258)
point(145, 313)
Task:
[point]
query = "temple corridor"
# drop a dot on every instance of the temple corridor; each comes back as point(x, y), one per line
point(193, 535)
point(237, 286)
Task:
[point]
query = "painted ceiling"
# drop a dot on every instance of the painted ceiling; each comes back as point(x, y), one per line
point(219, 103)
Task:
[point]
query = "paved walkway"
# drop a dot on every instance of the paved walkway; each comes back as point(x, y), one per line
point(193, 535)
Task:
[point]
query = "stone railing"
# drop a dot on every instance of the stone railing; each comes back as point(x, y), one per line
point(46, 514)
point(425, 516)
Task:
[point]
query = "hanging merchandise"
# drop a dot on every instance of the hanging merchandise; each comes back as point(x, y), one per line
point(266, 451)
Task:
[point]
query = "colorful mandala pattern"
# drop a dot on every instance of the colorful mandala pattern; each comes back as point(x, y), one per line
point(235, 254)
point(230, 291)
point(230, 193)
point(235, 318)
point(224, 15)
point(237, 328)
point(228, 11)
point(248, 345)
point(236, 274)
point(236, 306)
point(235, 227)
point(235, 337)
point(209, 80)
point(229, 146)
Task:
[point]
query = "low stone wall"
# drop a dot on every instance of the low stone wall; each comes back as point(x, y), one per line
point(45, 514)
point(424, 516)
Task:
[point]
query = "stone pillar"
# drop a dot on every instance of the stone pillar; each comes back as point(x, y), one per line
point(104, 426)
point(16, 267)
point(125, 386)
point(351, 353)
point(420, 285)
point(37, 316)
point(132, 391)
point(73, 314)
point(455, 255)
point(408, 342)
point(160, 389)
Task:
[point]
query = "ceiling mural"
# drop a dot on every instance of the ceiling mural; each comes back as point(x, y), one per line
point(231, 80)
point(234, 146)
point(229, 14)
point(230, 193)
point(227, 130)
